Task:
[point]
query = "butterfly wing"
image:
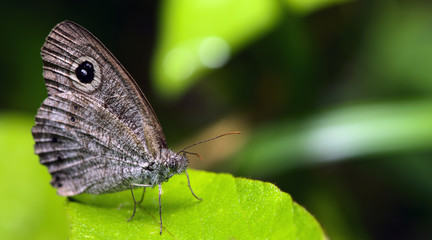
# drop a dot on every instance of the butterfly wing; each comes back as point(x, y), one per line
point(86, 148)
point(96, 131)
point(69, 45)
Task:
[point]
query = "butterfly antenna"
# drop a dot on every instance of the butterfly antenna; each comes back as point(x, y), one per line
point(208, 140)
point(192, 153)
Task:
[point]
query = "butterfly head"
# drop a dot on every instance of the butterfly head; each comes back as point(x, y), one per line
point(174, 162)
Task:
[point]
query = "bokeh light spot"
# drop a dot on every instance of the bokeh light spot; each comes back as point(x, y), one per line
point(214, 52)
point(179, 64)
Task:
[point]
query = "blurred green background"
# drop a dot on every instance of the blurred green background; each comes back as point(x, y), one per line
point(333, 98)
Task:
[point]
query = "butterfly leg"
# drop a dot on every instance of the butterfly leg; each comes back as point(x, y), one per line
point(142, 196)
point(187, 176)
point(160, 208)
point(133, 196)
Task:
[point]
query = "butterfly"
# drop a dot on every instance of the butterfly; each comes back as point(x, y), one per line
point(96, 132)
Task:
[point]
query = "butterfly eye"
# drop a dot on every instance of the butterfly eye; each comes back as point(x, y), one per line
point(85, 72)
point(172, 162)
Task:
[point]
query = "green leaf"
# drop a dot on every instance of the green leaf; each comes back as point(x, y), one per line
point(232, 208)
point(29, 206)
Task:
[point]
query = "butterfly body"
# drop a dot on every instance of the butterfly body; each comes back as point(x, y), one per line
point(96, 132)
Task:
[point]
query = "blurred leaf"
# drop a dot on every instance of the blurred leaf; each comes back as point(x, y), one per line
point(398, 52)
point(29, 206)
point(232, 208)
point(307, 6)
point(340, 134)
point(196, 36)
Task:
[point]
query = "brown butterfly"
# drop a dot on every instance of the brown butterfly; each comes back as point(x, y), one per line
point(96, 132)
